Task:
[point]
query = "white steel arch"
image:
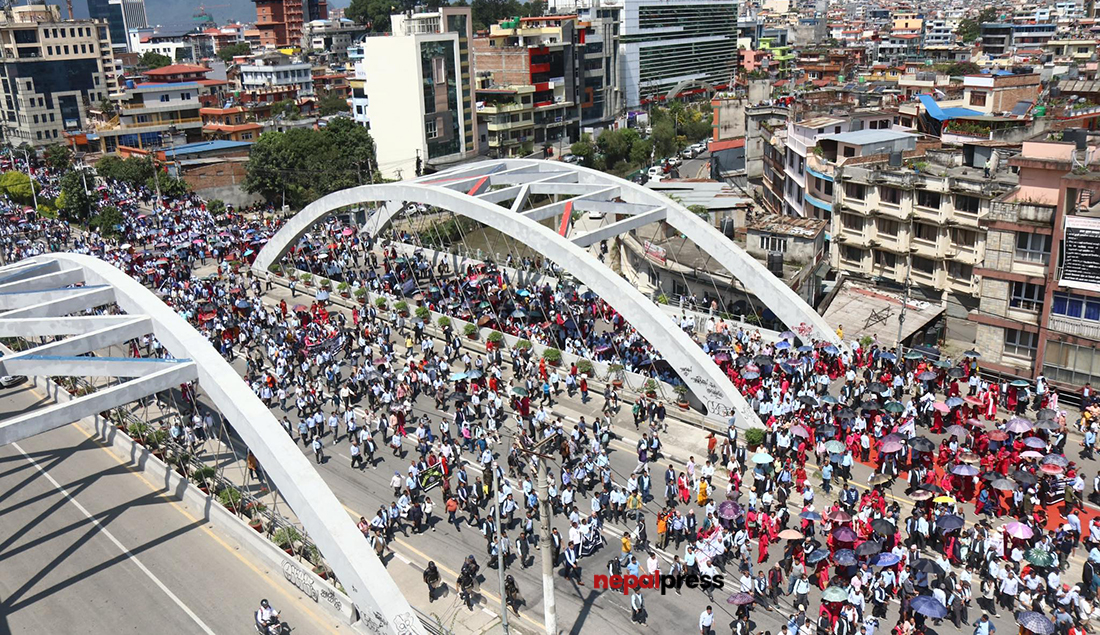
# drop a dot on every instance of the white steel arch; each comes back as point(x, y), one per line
point(44, 304)
point(594, 191)
point(702, 376)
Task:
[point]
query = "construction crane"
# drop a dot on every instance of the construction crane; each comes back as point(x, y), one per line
point(202, 15)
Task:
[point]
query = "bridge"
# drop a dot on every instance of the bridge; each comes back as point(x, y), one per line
point(514, 196)
point(81, 305)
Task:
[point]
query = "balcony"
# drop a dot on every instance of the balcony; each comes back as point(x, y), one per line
point(1074, 326)
point(925, 248)
point(189, 122)
point(490, 109)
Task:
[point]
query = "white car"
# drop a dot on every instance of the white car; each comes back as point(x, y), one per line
point(688, 153)
point(595, 215)
point(7, 381)
point(699, 148)
point(674, 161)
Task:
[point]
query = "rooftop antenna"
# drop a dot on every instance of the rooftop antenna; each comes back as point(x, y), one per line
point(69, 7)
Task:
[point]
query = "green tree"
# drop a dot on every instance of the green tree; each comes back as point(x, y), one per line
point(74, 203)
point(170, 186)
point(107, 221)
point(17, 186)
point(968, 29)
point(664, 138)
point(372, 13)
point(303, 164)
point(58, 157)
point(216, 207)
point(332, 103)
point(585, 149)
point(233, 50)
point(962, 68)
point(107, 107)
point(641, 152)
point(151, 60)
point(988, 14)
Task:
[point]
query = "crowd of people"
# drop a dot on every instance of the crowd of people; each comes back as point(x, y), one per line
point(458, 427)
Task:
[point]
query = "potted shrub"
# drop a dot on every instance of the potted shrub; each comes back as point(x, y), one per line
point(257, 523)
point(754, 438)
point(662, 299)
point(276, 269)
point(423, 314)
point(380, 303)
point(524, 345)
point(444, 322)
point(138, 431)
point(361, 295)
point(230, 498)
point(552, 356)
point(650, 387)
point(325, 284)
point(470, 330)
point(204, 478)
point(402, 308)
point(494, 340)
point(285, 538)
point(615, 371)
point(584, 367)
point(343, 289)
point(182, 462)
point(307, 279)
point(681, 396)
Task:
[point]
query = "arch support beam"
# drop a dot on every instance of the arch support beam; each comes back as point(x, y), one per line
point(702, 376)
point(355, 564)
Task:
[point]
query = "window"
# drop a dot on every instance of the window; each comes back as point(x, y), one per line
point(891, 195)
point(769, 242)
point(439, 73)
point(928, 199)
point(1020, 343)
point(977, 98)
point(925, 265)
point(968, 204)
point(185, 96)
point(430, 129)
point(1076, 306)
point(852, 222)
point(964, 237)
point(885, 259)
point(849, 151)
point(960, 271)
point(887, 227)
point(164, 98)
point(857, 191)
point(923, 231)
point(1070, 363)
point(1026, 296)
point(853, 254)
point(1033, 247)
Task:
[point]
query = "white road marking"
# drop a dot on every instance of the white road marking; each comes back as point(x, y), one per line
point(126, 552)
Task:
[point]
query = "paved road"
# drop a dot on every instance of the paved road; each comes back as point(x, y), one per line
point(579, 608)
point(87, 545)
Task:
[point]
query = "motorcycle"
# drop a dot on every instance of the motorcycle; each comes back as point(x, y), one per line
point(273, 627)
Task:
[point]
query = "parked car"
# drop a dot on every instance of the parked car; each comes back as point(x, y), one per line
point(699, 148)
point(688, 152)
point(674, 161)
point(571, 158)
point(7, 381)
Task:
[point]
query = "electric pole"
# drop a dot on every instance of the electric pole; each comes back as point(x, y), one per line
point(500, 549)
point(550, 616)
point(30, 177)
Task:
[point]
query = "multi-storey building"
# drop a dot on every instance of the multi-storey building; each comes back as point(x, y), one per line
point(1040, 304)
point(914, 218)
point(52, 71)
point(536, 62)
point(939, 32)
point(280, 21)
point(999, 38)
point(121, 15)
point(600, 94)
point(331, 38)
point(160, 110)
point(668, 42)
point(175, 44)
point(802, 137)
point(774, 143)
point(275, 70)
point(419, 83)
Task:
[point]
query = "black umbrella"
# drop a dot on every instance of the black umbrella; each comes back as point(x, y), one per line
point(920, 444)
point(826, 430)
point(925, 565)
point(846, 413)
point(1047, 413)
point(1025, 478)
point(956, 373)
point(883, 527)
point(949, 522)
point(877, 387)
point(868, 548)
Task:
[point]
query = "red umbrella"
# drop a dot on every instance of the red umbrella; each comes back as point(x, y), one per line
point(998, 435)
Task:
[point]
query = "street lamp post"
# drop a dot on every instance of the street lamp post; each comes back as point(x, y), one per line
point(30, 177)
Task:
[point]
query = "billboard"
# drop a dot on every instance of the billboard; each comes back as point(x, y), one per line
point(1081, 254)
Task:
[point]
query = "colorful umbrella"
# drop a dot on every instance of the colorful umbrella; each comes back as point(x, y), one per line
point(1035, 622)
point(1019, 530)
point(928, 606)
point(740, 599)
point(791, 534)
point(1040, 557)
